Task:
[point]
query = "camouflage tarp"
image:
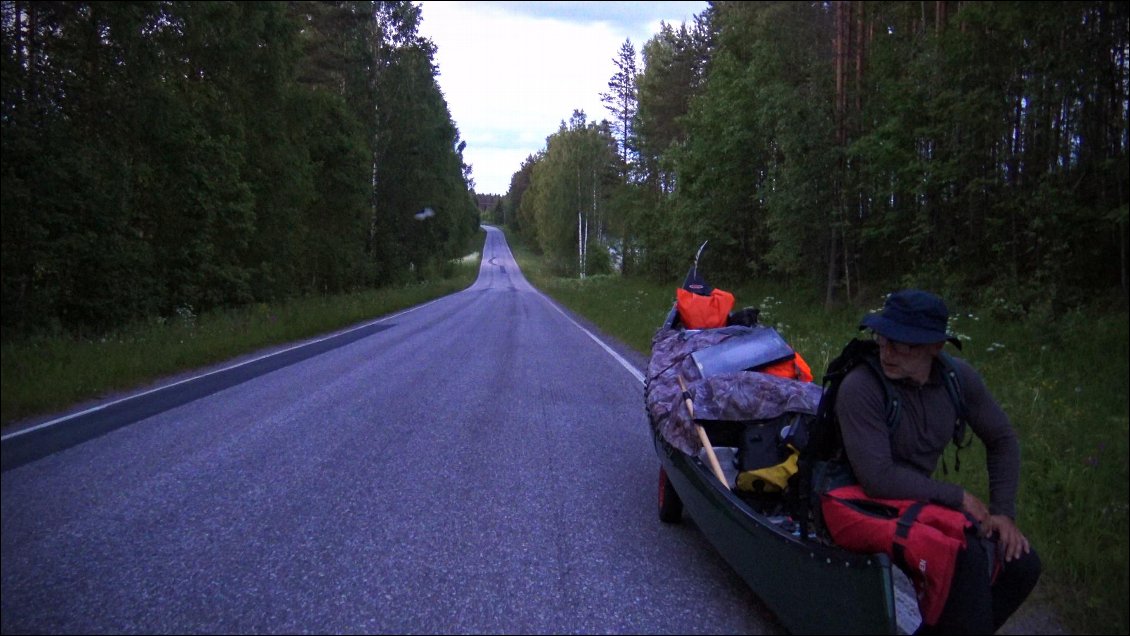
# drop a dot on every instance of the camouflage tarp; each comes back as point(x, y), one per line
point(743, 395)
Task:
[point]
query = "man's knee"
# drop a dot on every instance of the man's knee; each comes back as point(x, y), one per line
point(1026, 568)
point(1013, 585)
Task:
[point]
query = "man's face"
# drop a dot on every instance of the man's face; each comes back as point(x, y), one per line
point(902, 361)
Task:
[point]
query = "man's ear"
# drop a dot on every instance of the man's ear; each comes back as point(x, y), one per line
point(935, 348)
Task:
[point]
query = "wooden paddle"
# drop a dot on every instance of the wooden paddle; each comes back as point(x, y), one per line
point(714, 465)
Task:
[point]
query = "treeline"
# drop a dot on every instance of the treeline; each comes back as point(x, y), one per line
point(486, 202)
point(181, 156)
point(977, 148)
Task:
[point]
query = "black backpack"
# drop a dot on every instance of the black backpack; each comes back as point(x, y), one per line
point(822, 464)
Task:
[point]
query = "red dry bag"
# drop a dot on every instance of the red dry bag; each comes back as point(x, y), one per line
point(704, 312)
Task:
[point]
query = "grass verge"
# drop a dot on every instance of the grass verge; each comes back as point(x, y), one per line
point(45, 374)
point(1063, 384)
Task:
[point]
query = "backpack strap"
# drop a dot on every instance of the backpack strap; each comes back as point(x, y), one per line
point(961, 436)
point(890, 394)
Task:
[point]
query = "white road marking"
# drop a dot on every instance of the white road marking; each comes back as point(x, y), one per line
point(204, 375)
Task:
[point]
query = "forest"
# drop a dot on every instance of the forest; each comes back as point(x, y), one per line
point(978, 149)
point(165, 158)
point(171, 157)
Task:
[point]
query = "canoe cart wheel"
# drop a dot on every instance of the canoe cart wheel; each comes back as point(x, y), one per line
point(670, 506)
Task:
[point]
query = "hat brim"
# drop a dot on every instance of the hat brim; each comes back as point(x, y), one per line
point(904, 333)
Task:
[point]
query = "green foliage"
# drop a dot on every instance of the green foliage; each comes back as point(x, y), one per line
point(762, 115)
point(622, 102)
point(567, 199)
point(83, 368)
point(672, 60)
point(1071, 411)
point(216, 154)
point(977, 149)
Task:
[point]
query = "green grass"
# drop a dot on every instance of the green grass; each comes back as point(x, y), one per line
point(1063, 383)
point(45, 374)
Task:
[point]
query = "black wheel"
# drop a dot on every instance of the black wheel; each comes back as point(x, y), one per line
point(670, 506)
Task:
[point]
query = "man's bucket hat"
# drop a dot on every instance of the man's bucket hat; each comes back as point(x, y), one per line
point(912, 316)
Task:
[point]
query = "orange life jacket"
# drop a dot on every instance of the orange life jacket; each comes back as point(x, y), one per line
point(704, 312)
point(794, 368)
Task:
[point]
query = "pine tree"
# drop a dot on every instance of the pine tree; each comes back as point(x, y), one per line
point(623, 102)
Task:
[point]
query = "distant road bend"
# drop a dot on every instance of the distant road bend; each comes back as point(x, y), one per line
point(479, 463)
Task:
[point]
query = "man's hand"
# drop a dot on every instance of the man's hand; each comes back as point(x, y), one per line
point(1010, 540)
point(978, 510)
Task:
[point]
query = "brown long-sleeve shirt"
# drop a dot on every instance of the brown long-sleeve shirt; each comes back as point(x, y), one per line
point(901, 467)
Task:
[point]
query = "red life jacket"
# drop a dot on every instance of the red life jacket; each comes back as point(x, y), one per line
point(704, 312)
point(922, 538)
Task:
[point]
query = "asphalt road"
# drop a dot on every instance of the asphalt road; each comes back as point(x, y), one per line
point(476, 464)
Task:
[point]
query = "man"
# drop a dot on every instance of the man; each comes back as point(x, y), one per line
point(899, 464)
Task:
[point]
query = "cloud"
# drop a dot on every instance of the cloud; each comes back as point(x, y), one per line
point(512, 72)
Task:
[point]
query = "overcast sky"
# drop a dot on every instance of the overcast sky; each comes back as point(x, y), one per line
point(512, 71)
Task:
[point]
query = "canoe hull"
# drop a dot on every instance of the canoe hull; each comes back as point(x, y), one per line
point(812, 588)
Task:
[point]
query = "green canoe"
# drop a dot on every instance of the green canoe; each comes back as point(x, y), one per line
point(811, 587)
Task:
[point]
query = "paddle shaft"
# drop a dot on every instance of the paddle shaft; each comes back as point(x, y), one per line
point(714, 465)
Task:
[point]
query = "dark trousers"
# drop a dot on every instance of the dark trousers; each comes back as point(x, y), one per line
point(977, 604)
